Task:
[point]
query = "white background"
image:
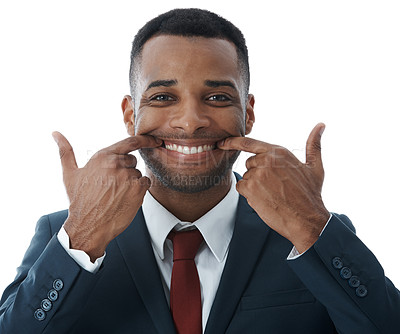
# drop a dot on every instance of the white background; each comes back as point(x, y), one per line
point(64, 66)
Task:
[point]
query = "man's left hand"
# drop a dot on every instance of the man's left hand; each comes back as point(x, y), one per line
point(284, 192)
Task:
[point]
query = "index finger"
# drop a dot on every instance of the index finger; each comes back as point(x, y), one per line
point(134, 143)
point(245, 144)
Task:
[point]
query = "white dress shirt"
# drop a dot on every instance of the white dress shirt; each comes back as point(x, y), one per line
point(216, 226)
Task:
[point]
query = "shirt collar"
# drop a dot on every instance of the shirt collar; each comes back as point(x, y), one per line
point(216, 225)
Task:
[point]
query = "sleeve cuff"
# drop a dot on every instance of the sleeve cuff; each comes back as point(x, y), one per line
point(294, 253)
point(79, 256)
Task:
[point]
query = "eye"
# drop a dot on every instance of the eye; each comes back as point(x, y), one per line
point(219, 98)
point(161, 98)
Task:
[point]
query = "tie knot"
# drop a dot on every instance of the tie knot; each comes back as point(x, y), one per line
point(186, 244)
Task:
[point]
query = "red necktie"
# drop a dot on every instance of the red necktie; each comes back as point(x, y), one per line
point(185, 296)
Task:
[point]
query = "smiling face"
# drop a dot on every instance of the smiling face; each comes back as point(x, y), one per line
point(190, 93)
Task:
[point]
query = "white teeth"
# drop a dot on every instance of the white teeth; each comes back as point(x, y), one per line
point(189, 149)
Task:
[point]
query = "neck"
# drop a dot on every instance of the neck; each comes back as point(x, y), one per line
point(189, 206)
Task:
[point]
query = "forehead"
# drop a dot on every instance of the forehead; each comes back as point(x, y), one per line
point(183, 58)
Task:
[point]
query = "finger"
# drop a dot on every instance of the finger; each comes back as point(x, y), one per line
point(242, 187)
point(246, 175)
point(313, 147)
point(67, 156)
point(258, 160)
point(127, 161)
point(135, 173)
point(144, 182)
point(134, 143)
point(244, 144)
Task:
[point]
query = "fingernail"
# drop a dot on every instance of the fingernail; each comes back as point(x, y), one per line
point(322, 130)
point(55, 137)
point(157, 140)
point(221, 142)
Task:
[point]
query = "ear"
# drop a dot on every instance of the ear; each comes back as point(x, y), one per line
point(129, 114)
point(250, 118)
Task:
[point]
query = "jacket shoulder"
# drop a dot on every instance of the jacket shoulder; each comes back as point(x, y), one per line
point(345, 220)
point(54, 220)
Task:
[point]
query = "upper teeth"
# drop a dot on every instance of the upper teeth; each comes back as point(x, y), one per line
point(189, 149)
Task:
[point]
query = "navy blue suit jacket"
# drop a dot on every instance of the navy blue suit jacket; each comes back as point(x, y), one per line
point(260, 291)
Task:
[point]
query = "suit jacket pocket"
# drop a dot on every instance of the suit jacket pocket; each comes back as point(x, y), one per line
point(280, 298)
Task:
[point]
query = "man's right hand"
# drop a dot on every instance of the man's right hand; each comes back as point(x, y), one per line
point(105, 195)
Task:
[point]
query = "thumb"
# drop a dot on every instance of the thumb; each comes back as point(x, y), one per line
point(313, 148)
point(67, 155)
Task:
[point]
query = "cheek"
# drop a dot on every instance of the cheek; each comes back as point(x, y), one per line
point(233, 122)
point(148, 120)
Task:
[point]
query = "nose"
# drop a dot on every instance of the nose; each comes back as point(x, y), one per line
point(189, 117)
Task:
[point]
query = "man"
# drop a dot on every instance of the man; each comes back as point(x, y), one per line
point(269, 257)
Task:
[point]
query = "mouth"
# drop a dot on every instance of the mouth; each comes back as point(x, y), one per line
point(189, 149)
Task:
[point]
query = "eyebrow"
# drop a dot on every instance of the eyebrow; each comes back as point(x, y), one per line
point(208, 83)
point(219, 83)
point(164, 83)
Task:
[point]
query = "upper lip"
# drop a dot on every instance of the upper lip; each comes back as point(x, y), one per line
point(191, 142)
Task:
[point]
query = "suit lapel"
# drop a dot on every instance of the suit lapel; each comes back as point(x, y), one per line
point(247, 241)
point(135, 246)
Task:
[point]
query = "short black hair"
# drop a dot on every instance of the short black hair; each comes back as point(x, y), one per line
point(191, 22)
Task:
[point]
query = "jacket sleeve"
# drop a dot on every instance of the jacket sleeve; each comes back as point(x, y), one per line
point(348, 280)
point(47, 279)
